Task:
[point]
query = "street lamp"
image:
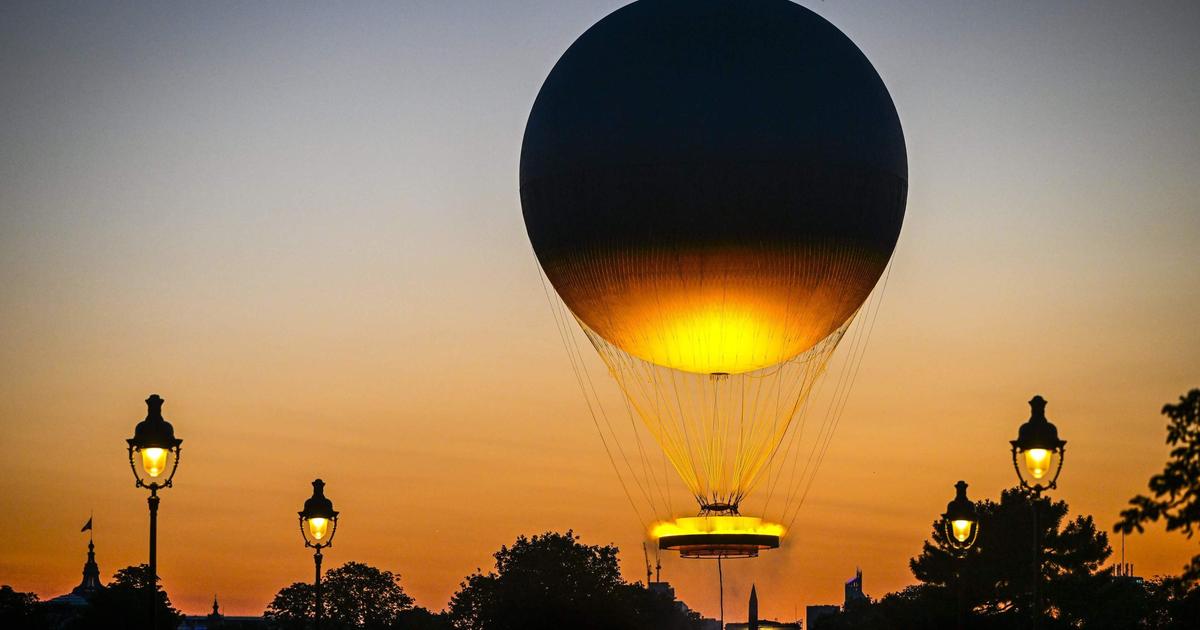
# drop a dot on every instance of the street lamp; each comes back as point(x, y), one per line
point(156, 448)
point(961, 521)
point(1038, 452)
point(318, 524)
point(1037, 455)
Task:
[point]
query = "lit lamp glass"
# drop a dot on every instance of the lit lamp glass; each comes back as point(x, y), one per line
point(1037, 462)
point(1038, 452)
point(318, 528)
point(961, 529)
point(154, 461)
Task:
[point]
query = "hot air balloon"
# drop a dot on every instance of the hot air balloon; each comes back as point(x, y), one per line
point(713, 188)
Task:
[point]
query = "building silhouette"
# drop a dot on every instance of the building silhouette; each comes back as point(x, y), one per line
point(63, 609)
point(665, 589)
point(854, 590)
point(754, 623)
point(216, 621)
point(854, 596)
point(814, 614)
point(89, 585)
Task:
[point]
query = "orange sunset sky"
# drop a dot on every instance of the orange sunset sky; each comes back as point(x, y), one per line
point(301, 227)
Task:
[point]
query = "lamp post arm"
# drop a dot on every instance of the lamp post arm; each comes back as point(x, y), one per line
point(1017, 469)
point(137, 479)
point(1062, 455)
point(178, 455)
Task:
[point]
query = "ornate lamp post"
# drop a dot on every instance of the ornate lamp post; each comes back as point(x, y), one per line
point(1037, 455)
point(156, 448)
point(318, 524)
point(961, 522)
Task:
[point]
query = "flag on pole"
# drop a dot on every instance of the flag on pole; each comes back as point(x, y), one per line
point(88, 526)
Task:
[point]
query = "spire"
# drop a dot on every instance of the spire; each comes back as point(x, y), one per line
point(216, 613)
point(91, 574)
point(753, 614)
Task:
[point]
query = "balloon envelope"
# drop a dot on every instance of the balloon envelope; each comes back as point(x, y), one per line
point(713, 186)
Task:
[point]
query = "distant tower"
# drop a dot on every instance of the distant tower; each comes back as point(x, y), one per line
point(854, 590)
point(78, 598)
point(215, 617)
point(753, 622)
point(91, 574)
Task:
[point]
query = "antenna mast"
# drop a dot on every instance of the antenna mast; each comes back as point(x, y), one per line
point(649, 573)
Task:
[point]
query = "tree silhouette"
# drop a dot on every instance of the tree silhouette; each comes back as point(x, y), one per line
point(361, 596)
point(1177, 488)
point(356, 595)
point(125, 603)
point(20, 611)
point(554, 581)
point(418, 618)
point(992, 582)
point(292, 608)
point(998, 571)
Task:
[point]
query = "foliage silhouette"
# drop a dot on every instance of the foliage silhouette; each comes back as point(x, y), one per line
point(20, 611)
point(994, 578)
point(1177, 488)
point(292, 608)
point(355, 595)
point(418, 618)
point(997, 572)
point(554, 581)
point(125, 603)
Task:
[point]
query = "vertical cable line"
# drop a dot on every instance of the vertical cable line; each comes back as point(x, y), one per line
point(862, 352)
point(564, 334)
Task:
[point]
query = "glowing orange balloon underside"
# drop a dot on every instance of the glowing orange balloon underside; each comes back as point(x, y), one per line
point(716, 309)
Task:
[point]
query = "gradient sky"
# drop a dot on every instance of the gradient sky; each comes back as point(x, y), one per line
point(301, 227)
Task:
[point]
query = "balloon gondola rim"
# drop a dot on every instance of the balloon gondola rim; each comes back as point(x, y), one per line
point(714, 536)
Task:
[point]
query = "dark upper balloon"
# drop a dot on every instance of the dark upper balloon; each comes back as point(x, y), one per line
point(713, 185)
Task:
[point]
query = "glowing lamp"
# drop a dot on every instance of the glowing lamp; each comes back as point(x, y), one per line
point(717, 536)
point(155, 446)
point(1038, 452)
point(318, 528)
point(318, 519)
point(1037, 462)
point(154, 461)
point(961, 520)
